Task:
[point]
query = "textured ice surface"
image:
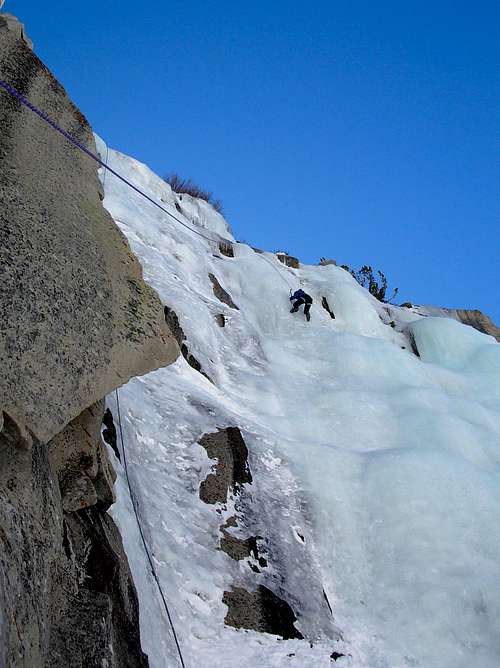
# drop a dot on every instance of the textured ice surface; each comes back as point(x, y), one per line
point(386, 463)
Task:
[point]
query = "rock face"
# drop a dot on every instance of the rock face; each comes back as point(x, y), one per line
point(11, 23)
point(77, 322)
point(226, 249)
point(478, 320)
point(78, 319)
point(288, 260)
point(326, 306)
point(221, 294)
point(66, 593)
point(260, 609)
point(173, 322)
point(472, 317)
point(231, 471)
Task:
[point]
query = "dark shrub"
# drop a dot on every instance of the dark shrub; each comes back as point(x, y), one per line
point(188, 187)
point(366, 278)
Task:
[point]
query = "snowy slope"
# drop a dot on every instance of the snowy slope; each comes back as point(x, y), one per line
point(386, 463)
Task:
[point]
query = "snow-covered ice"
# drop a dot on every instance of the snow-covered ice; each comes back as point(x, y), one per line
point(386, 463)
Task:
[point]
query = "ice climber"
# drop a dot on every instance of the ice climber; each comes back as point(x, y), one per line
point(300, 297)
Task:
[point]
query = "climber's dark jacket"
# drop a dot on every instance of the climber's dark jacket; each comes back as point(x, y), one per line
point(300, 294)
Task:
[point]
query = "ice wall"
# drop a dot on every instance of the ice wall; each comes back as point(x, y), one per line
point(385, 462)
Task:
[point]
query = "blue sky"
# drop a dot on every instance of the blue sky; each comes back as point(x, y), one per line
point(362, 131)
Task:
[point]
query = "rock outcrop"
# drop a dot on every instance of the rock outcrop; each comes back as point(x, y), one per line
point(221, 294)
point(326, 306)
point(472, 317)
point(288, 260)
point(173, 322)
point(12, 24)
point(478, 320)
point(259, 609)
point(77, 322)
point(231, 471)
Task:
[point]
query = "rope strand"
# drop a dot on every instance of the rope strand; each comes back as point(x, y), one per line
point(276, 270)
point(146, 549)
point(15, 93)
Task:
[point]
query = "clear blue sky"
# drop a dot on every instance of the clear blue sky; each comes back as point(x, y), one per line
point(362, 131)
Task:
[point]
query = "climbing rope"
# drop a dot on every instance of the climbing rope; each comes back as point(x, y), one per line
point(105, 168)
point(15, 93)
point(276, 270)
point(146, 549)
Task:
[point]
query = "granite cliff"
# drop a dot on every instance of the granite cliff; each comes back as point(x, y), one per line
point(77, 321)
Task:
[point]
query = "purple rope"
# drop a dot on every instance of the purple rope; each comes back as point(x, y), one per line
point(15, 93)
